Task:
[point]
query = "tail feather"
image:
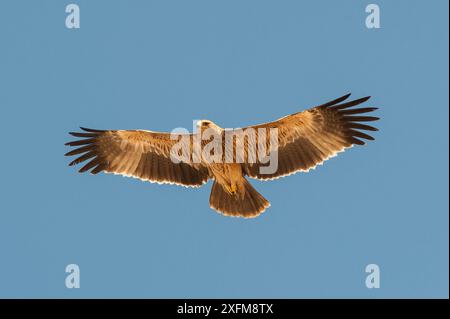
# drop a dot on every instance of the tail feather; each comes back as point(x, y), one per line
point(247, 202)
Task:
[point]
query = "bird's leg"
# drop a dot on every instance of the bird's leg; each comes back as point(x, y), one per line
point(233, 188)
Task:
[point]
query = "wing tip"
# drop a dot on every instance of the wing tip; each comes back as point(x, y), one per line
point(91, 130)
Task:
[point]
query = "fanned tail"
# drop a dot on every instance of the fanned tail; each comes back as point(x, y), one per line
point(246, 202)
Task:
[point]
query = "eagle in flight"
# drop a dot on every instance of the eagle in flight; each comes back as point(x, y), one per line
point(303, 141)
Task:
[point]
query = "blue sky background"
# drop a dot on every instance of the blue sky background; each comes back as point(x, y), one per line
point(159, 65)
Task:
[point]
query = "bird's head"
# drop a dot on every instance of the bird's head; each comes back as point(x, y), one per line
point(203, 125)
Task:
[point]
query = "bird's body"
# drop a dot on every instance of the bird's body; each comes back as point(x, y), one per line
point(231, 193)
point(302, 141)
point(229, 176)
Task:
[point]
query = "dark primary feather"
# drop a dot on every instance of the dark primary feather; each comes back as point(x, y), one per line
point(349, 104)
point(335, 101)
point(92, 130)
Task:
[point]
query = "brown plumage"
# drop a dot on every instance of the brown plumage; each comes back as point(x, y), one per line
point(305, 140)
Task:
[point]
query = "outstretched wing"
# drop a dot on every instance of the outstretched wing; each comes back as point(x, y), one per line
point(136, 153)
point(307, 139)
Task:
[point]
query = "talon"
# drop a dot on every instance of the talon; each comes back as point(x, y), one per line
point(233, 189)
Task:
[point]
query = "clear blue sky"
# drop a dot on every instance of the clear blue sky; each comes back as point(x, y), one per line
point(160, 64)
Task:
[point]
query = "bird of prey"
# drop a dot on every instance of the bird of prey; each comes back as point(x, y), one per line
point(303, 141)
